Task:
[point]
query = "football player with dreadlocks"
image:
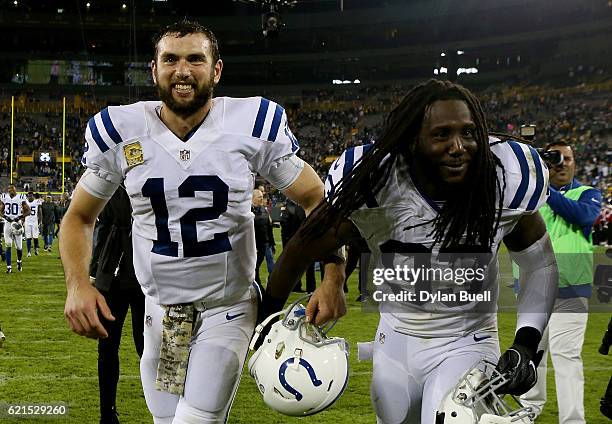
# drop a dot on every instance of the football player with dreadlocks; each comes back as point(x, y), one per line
point(434, 182)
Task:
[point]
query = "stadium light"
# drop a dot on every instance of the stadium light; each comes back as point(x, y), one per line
point(88, 5)
point(443, 70)
point(338, 82)
point(124, 6)
point(442, 54)
point(460, 52)
point(436, 72)
point(467, 71)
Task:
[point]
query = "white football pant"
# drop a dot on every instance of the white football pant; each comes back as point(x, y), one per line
point(563, 337)
point(31, 231)
point(218, 350)
point(9, 238)
point(411, 375)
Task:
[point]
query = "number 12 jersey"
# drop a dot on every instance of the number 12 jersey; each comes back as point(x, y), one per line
point(192, 234)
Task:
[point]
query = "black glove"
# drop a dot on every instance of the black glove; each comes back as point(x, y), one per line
point(519, 363)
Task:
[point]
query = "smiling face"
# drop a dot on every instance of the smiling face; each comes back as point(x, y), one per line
point(445, 147)
point(185, 72)
point(563, 174)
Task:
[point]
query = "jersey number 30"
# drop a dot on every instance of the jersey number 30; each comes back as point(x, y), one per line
point(192, 248)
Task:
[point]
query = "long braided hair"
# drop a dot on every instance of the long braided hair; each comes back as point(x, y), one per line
point(470, 213)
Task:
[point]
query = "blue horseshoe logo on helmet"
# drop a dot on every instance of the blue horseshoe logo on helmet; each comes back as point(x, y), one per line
point(311, 373)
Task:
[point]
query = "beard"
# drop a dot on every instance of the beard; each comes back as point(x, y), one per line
point(202, 94)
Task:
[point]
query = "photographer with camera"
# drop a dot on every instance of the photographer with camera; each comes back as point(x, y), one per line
point(569, 214)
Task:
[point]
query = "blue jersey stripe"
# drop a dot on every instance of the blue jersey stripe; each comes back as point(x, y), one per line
point(110, 128)
point(349, 159)
point(276, 121)
point(367, 148)
point(261, 117)
point(96, 135)
point(332, 187)
point(539, 180)
point(522, 189)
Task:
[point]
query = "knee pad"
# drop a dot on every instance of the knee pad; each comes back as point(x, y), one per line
point(212, 388)
point(187, 414)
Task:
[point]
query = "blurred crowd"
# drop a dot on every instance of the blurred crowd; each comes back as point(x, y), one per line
point(327, 122)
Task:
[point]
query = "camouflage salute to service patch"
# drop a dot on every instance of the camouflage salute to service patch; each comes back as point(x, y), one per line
point(177, 329)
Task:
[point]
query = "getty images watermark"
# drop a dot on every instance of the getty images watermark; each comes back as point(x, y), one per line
point(471, 282)
point(412, 283)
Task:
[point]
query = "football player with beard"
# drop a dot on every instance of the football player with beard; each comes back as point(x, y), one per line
point(435, 188)
point(188, 163)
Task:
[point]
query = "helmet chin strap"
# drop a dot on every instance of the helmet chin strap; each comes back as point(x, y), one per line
point(266, 321)
point(261, 326)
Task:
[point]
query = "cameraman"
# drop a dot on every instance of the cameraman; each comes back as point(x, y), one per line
point(569, 214)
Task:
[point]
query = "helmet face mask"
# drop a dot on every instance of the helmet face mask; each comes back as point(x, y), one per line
point(298, 369)
point(474, 401)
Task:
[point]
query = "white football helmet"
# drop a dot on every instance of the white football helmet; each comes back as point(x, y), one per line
point(474, 401)
point(298, 369)
point(16, 228)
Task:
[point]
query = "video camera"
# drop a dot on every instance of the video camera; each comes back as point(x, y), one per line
point(551, 157)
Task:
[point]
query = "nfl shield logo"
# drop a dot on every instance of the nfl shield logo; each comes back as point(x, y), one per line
point(185, 154)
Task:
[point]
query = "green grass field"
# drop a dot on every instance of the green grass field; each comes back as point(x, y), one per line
point(42, 362)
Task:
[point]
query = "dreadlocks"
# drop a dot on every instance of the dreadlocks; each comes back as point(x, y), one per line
point(471, 213)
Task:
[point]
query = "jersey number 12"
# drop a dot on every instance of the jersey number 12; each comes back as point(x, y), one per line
point(192, 248)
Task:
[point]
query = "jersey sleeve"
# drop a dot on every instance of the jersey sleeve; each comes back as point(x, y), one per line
point(278, 142)
point(341, 167)
point(526, 176)
point(99, 156)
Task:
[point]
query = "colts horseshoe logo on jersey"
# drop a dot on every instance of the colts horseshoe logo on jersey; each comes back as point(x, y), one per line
point(133, 154)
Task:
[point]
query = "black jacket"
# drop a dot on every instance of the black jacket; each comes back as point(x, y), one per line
point(292, 216)
point(113, 249)
point(263, 228)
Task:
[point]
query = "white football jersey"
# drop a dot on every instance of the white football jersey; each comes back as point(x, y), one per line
point(32, 218)
point(399, 220)
point(13, 205)
point(193, 233)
